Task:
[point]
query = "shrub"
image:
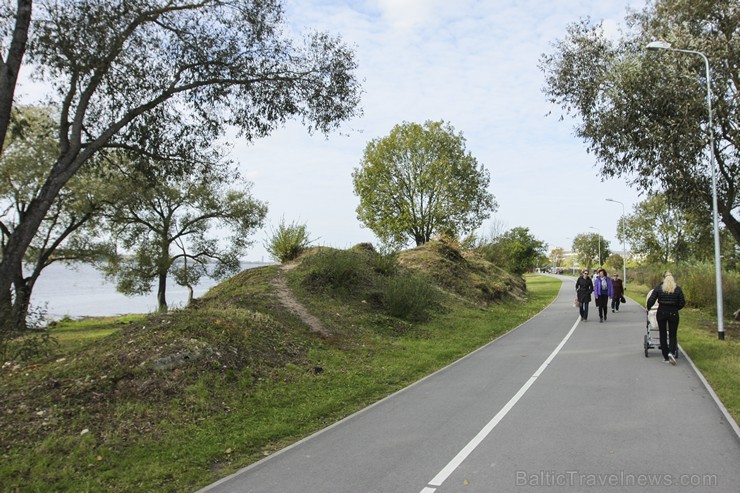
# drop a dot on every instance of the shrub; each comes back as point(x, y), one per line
point(697, 281)
point(336, 269)
point(699, 285)
point(27, 345)
point(410, 297)
point(385, 264)
point(287, 242)
point(647, 275)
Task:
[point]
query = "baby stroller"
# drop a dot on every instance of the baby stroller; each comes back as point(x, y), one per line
point(652, 336)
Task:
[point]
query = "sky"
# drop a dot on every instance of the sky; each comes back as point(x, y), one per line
point(471, 63)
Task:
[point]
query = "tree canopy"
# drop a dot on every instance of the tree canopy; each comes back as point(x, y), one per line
point(162, 224)
point(590, 247)
point(517, 250)
point(661, 232)
point(419, 181)
point(123, 69)
point(643, 114)
point(557, 255)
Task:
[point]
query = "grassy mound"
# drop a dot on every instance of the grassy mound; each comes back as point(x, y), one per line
point(172, 402)
point(466, 274)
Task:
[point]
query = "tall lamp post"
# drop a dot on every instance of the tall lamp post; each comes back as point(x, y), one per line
point(662, 45)
point(624, 250)
point(597, 229)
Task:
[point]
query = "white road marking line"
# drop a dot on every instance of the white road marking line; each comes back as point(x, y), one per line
point(482, 434)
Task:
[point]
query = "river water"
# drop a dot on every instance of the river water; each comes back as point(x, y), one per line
point(81, 291)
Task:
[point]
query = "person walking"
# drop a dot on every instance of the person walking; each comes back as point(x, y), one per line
point(670, 300)
point(603, 290)
point(618, 292)
point(584, 288)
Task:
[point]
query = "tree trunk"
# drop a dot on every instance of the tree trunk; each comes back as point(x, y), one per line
point(732, 224)
point(161, 289)
point(15, 303)
point(190, 294)
point(22, 235)
point(21, 303)
point(10, 67)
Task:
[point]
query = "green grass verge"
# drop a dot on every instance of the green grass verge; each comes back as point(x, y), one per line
point(718, 360)
point(220, 421)
point(75, 334)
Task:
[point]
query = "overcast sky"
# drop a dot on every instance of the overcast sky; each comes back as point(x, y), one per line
point(470, 63)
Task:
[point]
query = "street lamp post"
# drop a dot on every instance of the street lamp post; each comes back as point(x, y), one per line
point(662, 45)
point(624, 250)
point(597, 229)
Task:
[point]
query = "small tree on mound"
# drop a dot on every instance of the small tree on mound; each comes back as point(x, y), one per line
point(287, 241)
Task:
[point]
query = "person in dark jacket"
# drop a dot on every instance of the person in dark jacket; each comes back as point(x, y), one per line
point(670, 300)
point(584, 288)
point(618, 292)
point(603, 290)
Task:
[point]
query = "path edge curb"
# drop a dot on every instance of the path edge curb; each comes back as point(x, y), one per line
point(728, 417)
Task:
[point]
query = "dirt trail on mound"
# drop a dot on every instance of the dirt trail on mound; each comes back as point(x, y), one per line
point(289, 301)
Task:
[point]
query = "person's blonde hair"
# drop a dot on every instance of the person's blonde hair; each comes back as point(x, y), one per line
point(669, 283)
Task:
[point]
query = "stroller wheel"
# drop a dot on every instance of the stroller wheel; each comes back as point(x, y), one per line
point(645, 344)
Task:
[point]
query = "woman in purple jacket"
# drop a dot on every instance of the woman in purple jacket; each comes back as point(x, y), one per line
point(603, 290)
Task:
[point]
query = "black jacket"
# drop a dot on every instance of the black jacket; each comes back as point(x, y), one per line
point(667, 301)
point(584, 288)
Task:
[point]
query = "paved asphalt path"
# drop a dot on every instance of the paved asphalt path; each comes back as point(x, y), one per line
point(556, 405)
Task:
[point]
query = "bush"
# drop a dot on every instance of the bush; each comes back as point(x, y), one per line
point(647, 275)
point(385, 264)
point(409, 297)
point(27, 345)
point(697, 281)
point(287, 242)
point(700, 287)
point(336, 269)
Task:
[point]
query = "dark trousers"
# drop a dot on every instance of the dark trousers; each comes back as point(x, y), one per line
point(602, 302)
point(668, 328)
point(583, 309)
point(615, 303)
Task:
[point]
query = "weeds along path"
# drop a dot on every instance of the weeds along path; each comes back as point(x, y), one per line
point(289, 301)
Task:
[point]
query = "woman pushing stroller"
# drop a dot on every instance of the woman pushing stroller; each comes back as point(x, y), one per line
point(670, 300)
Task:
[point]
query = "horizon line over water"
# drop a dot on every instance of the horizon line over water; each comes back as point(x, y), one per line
point(79, 290)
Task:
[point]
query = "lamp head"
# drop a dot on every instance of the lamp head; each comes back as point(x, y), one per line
point(658, 45)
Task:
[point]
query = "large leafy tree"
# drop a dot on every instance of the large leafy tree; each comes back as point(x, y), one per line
point(66, 233)
point(121, 68)
point(517, 250)
point(557, 255)
point(644, 115)
point(662, 232)
point(420, 181)
point(170, 223)
point(590, 247)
